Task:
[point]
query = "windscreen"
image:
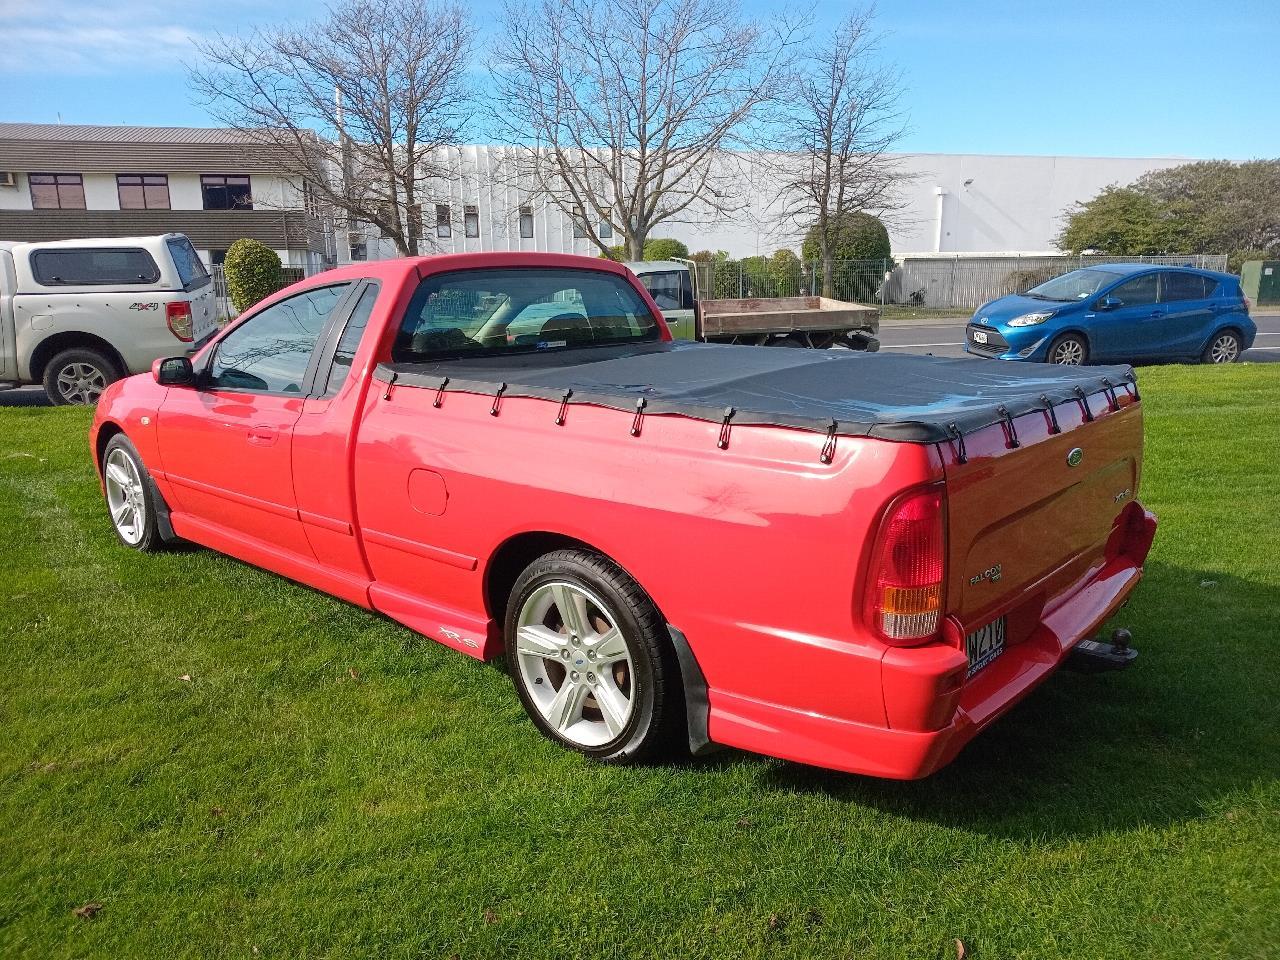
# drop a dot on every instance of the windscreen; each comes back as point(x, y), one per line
point(481, 312)
point(1076, 285)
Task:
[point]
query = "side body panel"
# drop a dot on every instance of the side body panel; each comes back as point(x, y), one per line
point(8, 353)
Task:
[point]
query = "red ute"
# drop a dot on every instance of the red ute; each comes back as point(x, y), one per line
point(850, 560)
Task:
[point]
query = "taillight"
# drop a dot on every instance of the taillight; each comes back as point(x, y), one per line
point(908, 569)
point(178, 316)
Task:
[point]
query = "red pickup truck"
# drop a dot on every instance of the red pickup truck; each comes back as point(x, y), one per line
point(850, 560)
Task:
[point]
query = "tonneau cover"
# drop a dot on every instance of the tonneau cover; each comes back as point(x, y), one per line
point(903, 397)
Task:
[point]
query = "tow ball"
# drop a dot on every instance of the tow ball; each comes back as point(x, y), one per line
point(1095, 656)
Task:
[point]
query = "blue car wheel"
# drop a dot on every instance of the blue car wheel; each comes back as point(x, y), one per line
point(1069, 350)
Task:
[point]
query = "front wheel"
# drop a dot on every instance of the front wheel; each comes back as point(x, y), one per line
point(78, 376)
point(1069, 350)
point(1223, 348)
point(590, 659)
point(131, 500)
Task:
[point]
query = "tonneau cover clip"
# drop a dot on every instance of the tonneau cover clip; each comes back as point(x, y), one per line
point(1133, 379)
point(1113, 401)
point(829, 447)
point(723, 442)
point(1084, 401)
point(636, 424)
point(444, 382)
point(1008, 424)
point(564, 407)
point(497, 399)
point(1053, 414)
point(962, 455)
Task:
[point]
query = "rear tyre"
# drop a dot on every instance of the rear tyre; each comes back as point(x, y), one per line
point(131, 497)
point(77, 377)
point(1225, 347)
point(590, 658)
point(1069, 350)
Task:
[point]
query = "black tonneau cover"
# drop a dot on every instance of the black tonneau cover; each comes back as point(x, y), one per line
point(919, 399)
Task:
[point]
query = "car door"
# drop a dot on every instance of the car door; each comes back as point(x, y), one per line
point(1189, 312)
point(1126, 322)
point(673, 293)
point(225, 445)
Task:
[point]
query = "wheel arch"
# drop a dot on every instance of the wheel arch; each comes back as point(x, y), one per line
point(52, 345)
point(106, 430)
point(515, 553)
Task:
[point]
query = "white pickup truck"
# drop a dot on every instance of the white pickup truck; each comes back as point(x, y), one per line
point(77, 314)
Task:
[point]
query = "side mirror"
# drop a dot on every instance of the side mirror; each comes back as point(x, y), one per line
point(174, 372)
point(1110, 303)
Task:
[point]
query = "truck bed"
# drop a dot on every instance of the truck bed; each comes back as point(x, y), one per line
point(900, 397)
point(755, 315)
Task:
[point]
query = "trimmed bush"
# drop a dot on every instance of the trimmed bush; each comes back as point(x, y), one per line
point(664, 248)
point(252, 270)
point(858, 236)
point(1020, 281)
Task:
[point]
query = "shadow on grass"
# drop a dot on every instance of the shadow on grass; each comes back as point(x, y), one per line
point(1165, 741)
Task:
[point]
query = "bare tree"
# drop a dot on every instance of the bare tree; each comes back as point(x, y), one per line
point(621, 112)
point(836, 134)
point(357, 107)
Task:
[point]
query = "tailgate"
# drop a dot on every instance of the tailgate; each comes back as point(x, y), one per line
point(1027, 524)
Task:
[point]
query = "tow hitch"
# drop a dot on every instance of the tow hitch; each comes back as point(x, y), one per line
point(1095, 656)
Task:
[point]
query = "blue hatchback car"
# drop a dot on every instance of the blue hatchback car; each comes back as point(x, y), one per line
point(1118, 311)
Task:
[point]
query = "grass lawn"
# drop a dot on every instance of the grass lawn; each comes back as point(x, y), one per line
point(327, 784)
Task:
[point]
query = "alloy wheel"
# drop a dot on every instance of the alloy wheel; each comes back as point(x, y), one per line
point(1225, 349)
point(81, 383)
point(126, 500)
point(575, 663)
point(1069, 352)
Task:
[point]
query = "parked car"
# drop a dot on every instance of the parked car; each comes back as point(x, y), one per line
point(680, 289)
point(1120, 311)
point(847, 559)
point(76, 315)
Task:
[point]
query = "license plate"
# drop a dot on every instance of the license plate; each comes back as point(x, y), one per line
point(979, 336)
point(984, 645)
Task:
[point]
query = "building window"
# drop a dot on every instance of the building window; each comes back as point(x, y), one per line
point(358, 246)
point(471, 221)
point(143, 191)
point(606, 228)
point(526, 223)
point(579, 224)
point(226, 192)
point(444, 221)
point(56, 191)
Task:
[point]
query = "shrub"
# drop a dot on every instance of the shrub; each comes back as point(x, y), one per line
point(252, 270)
point(857, 236)
point(618, 253)
point(664, 248)
point(1020, 281)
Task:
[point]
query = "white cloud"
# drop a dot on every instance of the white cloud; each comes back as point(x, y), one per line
point(80, 36)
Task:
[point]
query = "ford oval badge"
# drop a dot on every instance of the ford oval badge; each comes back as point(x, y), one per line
point(1074, 457)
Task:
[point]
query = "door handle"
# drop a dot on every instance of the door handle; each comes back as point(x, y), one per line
point(262, 435)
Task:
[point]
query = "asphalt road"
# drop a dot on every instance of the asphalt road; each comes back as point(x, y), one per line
point(942, 339)
point(946, 338)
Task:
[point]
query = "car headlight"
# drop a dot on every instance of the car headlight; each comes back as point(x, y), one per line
point(1029, 319)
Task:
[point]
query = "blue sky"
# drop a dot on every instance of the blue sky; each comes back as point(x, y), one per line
point(1082, 77)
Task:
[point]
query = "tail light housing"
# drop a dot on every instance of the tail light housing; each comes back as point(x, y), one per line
point(181, 324)
point(907, 576)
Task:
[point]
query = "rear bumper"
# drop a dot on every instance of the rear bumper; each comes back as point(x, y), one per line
point(928, 683)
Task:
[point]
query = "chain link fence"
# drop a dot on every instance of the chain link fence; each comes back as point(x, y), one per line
point(955, 283)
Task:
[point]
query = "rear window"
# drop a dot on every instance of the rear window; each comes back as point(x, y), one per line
point(93, 265)
point(514, 310)
point(190, 269)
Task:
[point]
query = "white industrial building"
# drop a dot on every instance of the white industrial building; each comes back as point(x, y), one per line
point(954, 203)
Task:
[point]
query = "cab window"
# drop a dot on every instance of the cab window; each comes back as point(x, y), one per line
point(503, 310)
point(269, 351)
point(670, 290)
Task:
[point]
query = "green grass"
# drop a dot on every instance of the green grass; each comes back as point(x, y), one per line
point(903, 311)
point(328, 784)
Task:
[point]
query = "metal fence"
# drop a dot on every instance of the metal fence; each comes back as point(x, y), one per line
point(226, 310)
point(956, 283)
